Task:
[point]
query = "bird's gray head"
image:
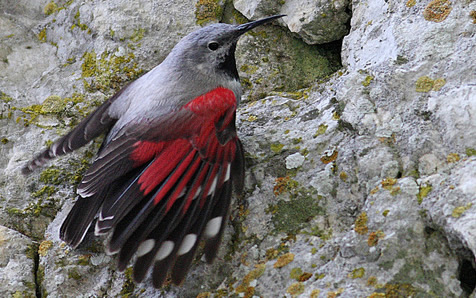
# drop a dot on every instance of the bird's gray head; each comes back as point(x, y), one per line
point(211, 50)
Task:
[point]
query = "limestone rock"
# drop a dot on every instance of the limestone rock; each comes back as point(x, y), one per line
point(17, 264)
point(316, 22)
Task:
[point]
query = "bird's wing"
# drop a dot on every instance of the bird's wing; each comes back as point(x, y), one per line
point(88, 129)
point(164, 185)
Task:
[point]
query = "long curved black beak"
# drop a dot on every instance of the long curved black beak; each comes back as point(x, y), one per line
point(243, 28)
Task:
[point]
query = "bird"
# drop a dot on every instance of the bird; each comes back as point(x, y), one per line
point(163, 178)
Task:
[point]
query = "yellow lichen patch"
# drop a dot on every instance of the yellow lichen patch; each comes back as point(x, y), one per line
point(319, 276)
point(367, 81)
point(385, 212)
point(438, 84)
point(372, 281)
point(452, 157)
point(208, 10)
point(375, 190)
point(343, 176)
point(84, 260)
point(295, 289)
point(53, 104)
point(391, 140)
point(437, 10)
point(388, 183)
point(244, 287)
point(106, 71)
point(295, 273)
point(204, 295)
point(357, 273)
point(395, 191)
point(42, 35)
point(424, 84)
point(361, 224)
point(458, 211)
point(378, 295)
point(427, 84)
point(284, 260)
point(470, 152)
point(329, 156)
point(472, 14)
point(252, 118)
point(315, 293)
point(399, 290)
point(272, 253)
point(284, 184)
point(44, 247)
point(305, 276)
point(374, 237)
point(50, 8)
point(336, 293)
point(410, 3)
point(276, 148)
point(424, 190)
point(321, 129)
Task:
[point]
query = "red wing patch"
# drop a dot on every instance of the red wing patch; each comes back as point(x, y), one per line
point(174, 166)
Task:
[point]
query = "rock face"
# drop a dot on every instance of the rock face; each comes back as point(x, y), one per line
point(17, 264)
point(316, 22)
point(359, 183)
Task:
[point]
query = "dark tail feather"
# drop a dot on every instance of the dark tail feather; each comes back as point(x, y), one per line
point(38, 161)
point(238, 168)
point(125, 197)
point(159, 234)
point(221, 200)
point(177, 236)
point(80, 217)
point(89, 128)
point(173, 218)
point(220, 211)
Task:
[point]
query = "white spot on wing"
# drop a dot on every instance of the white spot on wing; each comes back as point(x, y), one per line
point(83, 193)
point(213, 227)
point(165, 250)
point(228, 170)
point(214, 185)
point(97, 230)
point(197, 193)
point(182, 193)
point(187, 244)
point(145, 247)
point(101, 218)
point(54, 149)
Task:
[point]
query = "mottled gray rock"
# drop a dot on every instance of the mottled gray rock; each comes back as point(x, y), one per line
point(316, 22)
point(17, 264)
point(362, 184)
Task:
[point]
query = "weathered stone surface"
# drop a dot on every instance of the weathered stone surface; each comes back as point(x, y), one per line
point(362, 184)
point(17, 264)
point(316, 22)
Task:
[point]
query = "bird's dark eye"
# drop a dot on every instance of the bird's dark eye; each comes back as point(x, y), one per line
point(213, 45)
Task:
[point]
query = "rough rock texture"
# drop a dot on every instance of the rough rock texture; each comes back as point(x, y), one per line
point(361, 184)
point(316, 22)
point(17, 264)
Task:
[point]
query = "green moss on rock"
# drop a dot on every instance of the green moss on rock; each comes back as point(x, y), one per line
point(293, 215)
point(106, 72)
point(207, 11)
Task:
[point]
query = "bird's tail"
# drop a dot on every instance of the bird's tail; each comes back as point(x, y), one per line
point(38, 161)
